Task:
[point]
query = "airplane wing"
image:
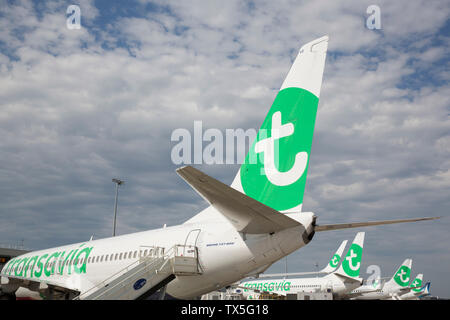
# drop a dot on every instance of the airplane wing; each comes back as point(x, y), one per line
point(245, 214)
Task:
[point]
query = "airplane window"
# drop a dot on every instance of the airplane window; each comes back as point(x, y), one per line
point(145, 253)
point(120, 256)
point(98, 258)
point(101, 259)
point(135, 253)
point(106, 257)
point(115, 258)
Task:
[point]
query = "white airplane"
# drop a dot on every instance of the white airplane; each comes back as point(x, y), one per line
point(247, 227)
point(397, 285)
point(339, 282)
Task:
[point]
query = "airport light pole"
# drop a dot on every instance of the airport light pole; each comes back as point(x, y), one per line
point(118, 183)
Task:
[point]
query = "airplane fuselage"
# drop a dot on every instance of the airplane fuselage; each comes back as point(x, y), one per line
point(225, 256)
point(329, 283)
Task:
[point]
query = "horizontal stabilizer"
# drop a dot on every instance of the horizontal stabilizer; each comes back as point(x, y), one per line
point(245, 214)
point(329, 227)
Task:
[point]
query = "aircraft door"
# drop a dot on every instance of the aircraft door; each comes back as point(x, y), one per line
point(190, 243)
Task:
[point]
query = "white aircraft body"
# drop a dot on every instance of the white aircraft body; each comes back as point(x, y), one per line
point(339, 282)
point(249, 225)
point(396, 286)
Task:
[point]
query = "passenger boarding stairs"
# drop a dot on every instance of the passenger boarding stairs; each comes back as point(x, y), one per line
point(144, 277)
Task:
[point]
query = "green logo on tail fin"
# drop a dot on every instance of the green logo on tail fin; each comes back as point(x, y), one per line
point(417, 283)
point(352, 262)
point(335, 260)
point(274, 171)
point(402, 276)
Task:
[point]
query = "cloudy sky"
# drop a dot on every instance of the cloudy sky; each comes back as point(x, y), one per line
point(81, 106)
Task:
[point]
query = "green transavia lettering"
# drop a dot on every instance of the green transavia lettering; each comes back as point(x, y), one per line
point(269, 286)
point(48, 264)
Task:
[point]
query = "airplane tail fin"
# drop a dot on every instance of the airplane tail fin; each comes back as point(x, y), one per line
point(334, 262)
point(426, 290)
point(274, 170)
point(351, 264)
point(401, 277)
point(416, 284)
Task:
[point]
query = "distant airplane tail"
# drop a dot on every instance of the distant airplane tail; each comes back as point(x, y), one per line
point(351, 264)
point(416, 284)
point(274, 170)
point(425, 290)
point(401, 277)
point(334, 261)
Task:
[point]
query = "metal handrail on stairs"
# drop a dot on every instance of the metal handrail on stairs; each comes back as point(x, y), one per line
point(158, 261)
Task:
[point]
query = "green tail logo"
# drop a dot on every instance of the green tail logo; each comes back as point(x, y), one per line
point(402, 276)
point(352, 262)
point(274, 171)
point(335, 260)
point(417, 283)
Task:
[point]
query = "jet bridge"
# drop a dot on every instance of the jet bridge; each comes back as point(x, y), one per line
point(144, 277)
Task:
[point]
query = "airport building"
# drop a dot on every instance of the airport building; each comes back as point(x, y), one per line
point(7, 254)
